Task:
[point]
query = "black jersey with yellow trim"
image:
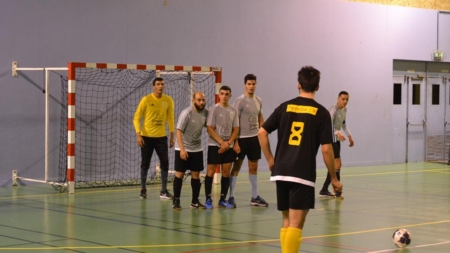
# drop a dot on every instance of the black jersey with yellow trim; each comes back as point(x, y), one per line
point(303, 125)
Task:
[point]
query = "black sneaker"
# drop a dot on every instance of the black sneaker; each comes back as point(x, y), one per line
point(326, 194)
point(339, 195)
point(258, 201)
point(176, 205)
point(198, 205)
point(165, 195)
point(143, 194)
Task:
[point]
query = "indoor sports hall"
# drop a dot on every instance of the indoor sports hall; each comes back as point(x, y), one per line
point(73, 72)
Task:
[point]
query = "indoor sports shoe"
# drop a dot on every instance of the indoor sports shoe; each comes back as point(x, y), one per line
point(165, 195)
point(339, 195)
point(224, 204)
point(232, 202)
point(143, 194)
point(326, 194)
point(176, 205)
point(258, 201)
point(198, 205)
point(209, 204)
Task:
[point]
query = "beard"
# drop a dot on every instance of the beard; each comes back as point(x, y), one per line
point(199, 107)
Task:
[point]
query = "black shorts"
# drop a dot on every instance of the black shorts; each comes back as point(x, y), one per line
point(215, 158)
point(249, 147)
point(295, 196)
point(337, 149)
point(193, 163)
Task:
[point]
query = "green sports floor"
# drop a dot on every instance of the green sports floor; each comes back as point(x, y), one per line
point(378, 200)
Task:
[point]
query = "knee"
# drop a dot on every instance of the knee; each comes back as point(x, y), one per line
point(145, 166)
point(253, 167)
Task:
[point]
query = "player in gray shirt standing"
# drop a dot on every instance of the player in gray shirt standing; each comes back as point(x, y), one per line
point(249, 107)
point(189, 150)
point(223, 128)
point(338, 116)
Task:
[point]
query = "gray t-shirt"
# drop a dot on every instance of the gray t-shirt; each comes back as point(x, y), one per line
point(224, 119)
point(248, 113)
point(191, 123)
point(338, 116)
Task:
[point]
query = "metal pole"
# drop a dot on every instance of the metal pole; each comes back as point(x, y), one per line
point(407, 116)
point(47, 120)
point(444, 82)
point(425, 142)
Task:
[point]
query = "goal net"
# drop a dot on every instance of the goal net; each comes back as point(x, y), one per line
point(100, 148)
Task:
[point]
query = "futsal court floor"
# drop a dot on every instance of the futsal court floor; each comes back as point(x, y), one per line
point(378, 200)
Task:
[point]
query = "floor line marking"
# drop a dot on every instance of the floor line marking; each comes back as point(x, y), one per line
point(410, 247)
point(236, 242)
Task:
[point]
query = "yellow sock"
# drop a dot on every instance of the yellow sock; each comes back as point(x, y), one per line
point(283, 232)
point(293, 240)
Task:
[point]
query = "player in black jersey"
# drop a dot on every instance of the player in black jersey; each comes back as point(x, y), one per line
point(303, 125)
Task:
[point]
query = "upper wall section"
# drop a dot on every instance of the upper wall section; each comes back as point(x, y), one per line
point(442, 5)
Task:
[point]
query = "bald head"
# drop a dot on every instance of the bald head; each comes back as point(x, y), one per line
point(199, 101)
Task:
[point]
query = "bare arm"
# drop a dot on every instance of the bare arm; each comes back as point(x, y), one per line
point(183, 153)
point(347, 132)
point(263, 137)
point(172, 142)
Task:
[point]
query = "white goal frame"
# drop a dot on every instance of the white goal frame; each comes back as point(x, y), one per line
point(15, 175)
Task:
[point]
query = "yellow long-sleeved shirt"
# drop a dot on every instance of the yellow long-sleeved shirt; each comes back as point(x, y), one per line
point(156, 112)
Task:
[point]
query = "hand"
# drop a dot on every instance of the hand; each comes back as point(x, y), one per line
point(350, 139)
point(340, 136)
point(184, 155)
point(171, 143)
point(140, 141)
point(271, 163)
point(337, 186)
point(236, 148)
point(224, 146)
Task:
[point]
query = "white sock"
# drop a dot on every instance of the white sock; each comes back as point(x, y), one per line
point(254, 181)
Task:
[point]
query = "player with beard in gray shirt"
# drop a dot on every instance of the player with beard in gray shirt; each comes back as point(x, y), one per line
point(189, 150)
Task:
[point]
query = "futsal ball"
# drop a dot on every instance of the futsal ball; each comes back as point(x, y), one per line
point(401, 238)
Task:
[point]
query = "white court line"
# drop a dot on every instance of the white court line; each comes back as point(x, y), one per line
point(409, 247)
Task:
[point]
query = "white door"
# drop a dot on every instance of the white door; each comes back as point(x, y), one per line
point(399, 119)
point(415, 145)
point(436, 118)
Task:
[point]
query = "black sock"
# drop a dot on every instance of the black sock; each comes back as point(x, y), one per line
point(196, 185)
point(326, 183)
point(338, 175)
point(144, 178)
point(164, 175)
point(177, 185)
point(224, 185)
point(208, 186)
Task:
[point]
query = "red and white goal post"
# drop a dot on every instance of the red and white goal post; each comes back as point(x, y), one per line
point(170, 73)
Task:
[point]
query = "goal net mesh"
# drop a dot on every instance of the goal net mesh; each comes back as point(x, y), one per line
point(106, 152)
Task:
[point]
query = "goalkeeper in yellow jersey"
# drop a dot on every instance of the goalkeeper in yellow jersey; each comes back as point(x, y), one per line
point(155, 110)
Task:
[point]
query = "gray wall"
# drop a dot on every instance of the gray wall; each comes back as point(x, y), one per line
point(352, 44)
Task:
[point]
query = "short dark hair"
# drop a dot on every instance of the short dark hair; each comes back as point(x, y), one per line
point(157, 79)
point(249, 77)
point(308, 78)
point(342, 93)
point(225, 88)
